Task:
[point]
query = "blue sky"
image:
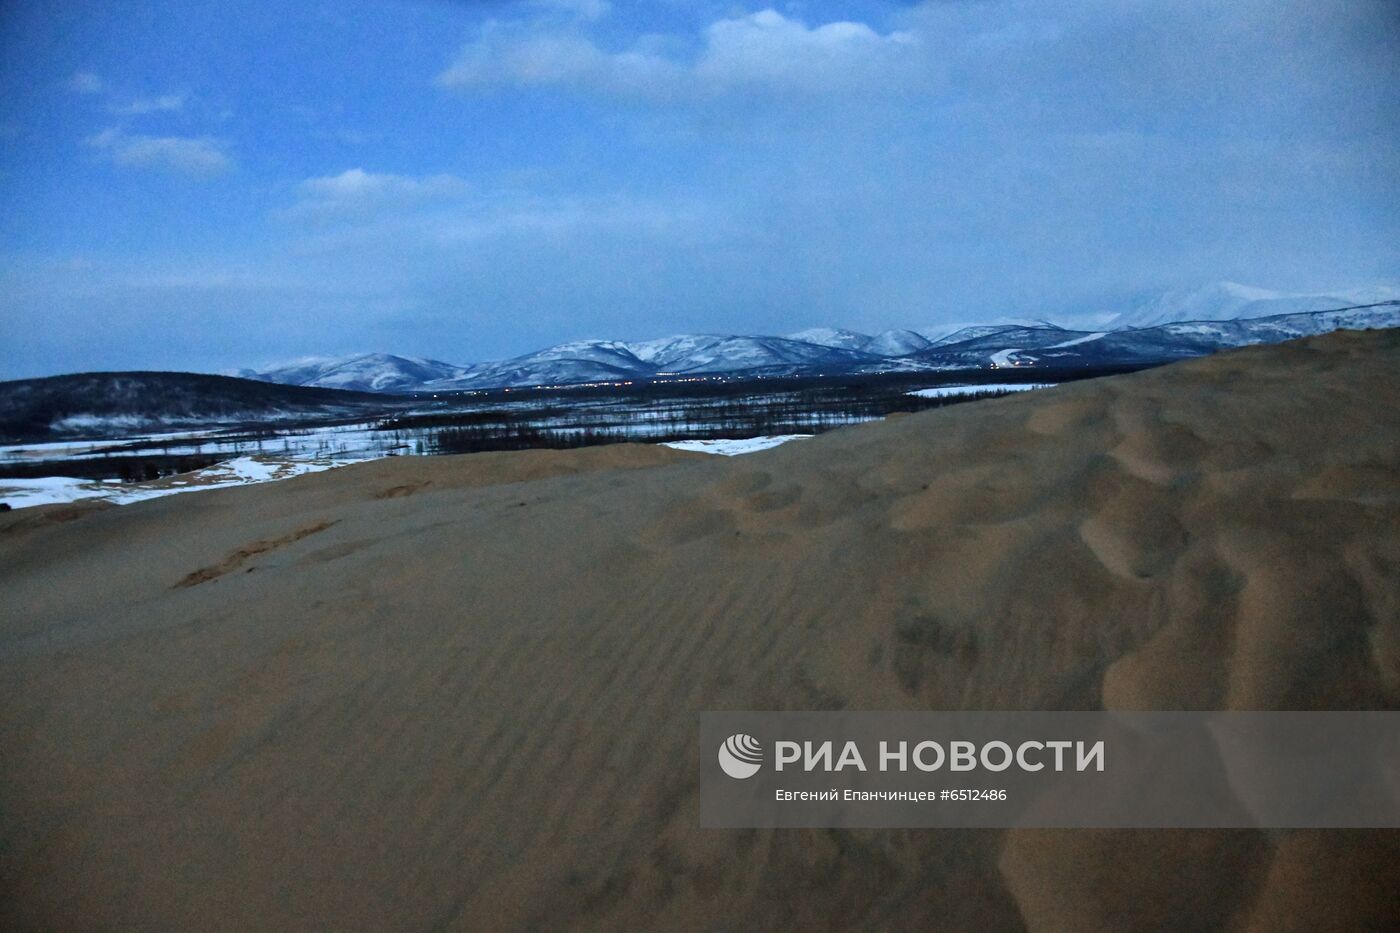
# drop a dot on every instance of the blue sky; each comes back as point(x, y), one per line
point(206, 185)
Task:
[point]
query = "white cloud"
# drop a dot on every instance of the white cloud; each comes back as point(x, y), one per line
point(85, 82)
point(357, 193)
point(536, 219)
point(88, 83)
point(357, 184)
point(431, 212)
point(764, 49)
point(145, 105)
point(583, 9)
point(502, 56)
point(189, 155)
point(768, 48)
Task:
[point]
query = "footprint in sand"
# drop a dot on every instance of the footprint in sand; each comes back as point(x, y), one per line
point(246, 553)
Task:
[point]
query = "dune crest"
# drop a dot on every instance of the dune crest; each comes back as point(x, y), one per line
point(467, 697)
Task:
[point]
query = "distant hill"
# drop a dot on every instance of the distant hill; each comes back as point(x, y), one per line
point(98, 403)
point(365, 372)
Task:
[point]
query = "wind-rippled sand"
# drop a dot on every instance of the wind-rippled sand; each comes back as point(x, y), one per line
point(461, 693)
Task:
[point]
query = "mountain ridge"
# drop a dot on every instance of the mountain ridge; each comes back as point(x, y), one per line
point(828, 351)
point(1234, 301)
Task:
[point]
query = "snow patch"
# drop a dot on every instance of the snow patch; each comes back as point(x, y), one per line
point(953, 391)
point(241, 471)
point(1078, 340)
point(732, 447)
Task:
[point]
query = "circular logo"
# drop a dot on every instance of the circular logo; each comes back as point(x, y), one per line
point(741, 756)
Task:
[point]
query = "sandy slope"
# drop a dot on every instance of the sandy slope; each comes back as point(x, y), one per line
point(460, 692)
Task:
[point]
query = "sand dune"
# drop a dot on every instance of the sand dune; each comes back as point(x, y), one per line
point(460, 693)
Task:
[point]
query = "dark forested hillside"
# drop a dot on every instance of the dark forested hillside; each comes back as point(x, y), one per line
point(99, 403)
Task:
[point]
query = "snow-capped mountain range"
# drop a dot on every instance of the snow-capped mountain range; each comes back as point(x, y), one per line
point(1175, 325)
point(366, 372)
point(1230, 301)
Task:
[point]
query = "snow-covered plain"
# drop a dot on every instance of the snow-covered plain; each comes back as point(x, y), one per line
point(249, 454)
point(247, 470)
point(241, 471)
point(356, 441)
